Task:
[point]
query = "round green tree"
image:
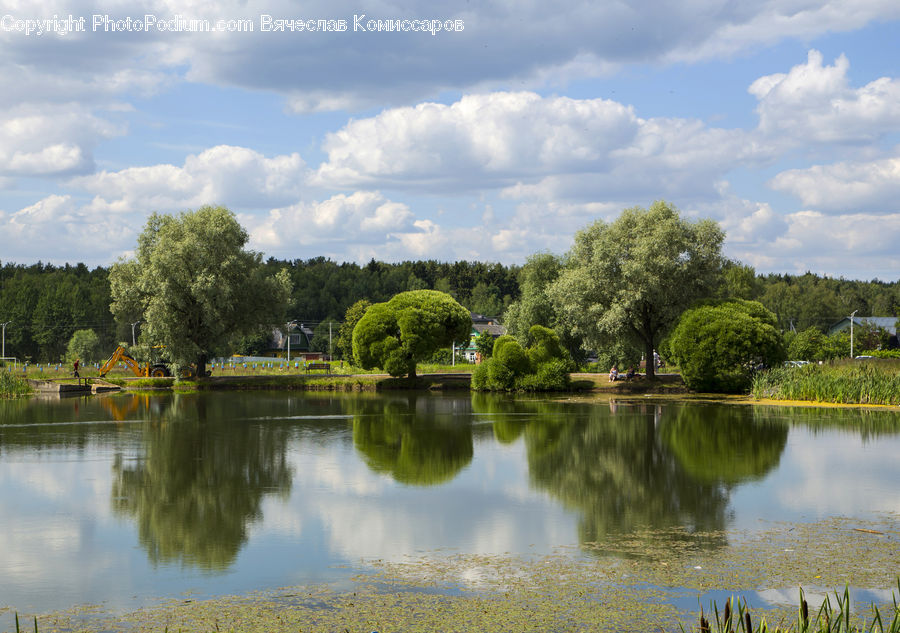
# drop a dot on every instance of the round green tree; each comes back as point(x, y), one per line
point(719, 345)
point(408, 329)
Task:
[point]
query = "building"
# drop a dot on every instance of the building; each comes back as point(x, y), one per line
point(481, 324)
point(300, 344)
point(888, 323)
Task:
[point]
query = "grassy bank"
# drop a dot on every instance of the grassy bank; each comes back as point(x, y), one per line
point(12, 385)
point(850, 382)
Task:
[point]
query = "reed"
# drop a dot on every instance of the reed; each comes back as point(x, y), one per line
point(873, 382)
point(831, 618)
point(12, 385)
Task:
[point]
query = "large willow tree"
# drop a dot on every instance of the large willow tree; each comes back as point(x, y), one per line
point(633, 278)
point(194, 287)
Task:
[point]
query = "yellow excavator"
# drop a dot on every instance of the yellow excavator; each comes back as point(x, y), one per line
point(157, 370)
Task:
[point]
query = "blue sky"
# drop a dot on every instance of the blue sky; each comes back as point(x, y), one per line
point(778, 119)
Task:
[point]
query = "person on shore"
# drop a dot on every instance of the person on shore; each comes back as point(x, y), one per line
point(75, 368)
point(613, 374)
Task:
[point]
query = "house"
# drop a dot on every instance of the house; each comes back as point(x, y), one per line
point(300, 344)
point(888, 324)
point(480, 324)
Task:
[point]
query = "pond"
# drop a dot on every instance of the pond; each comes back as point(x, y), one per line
point(122, 499)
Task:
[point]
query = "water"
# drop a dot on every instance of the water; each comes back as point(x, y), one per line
point(121, 499)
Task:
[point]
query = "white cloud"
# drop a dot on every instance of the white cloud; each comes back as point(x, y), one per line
point(751, 25)
point(50, 140)
point(550, 148)
point(363, 216)
point(823, 244)
point(237, 177)
point(813, 103)
point(844, 187)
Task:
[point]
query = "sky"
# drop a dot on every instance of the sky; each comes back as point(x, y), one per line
point(497, 133)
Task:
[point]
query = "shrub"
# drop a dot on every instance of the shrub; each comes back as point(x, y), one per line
point(544, 366)
point(719, 345)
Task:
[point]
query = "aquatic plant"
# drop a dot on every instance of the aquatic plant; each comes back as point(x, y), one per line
point(856, 383)
point(12, 385)
point(829, 619)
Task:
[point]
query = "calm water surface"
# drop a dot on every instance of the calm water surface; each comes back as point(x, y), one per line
point(125, 498)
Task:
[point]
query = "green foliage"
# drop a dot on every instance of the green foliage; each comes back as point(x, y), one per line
point(543, 366)
point(484, 345)
point(535, 306)
point(633, 278)
point(11, 384)
point(195, 288)
point(83, 345)
point(345, 334)
point(719, 345)
point(508, 352)
point(407, 329)
point(740, 281)
point(813, 345)
point(46, 304)
point(856, 382)
point(544, 346)
point(883, 353)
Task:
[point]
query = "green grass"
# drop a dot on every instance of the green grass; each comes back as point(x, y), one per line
point(12, 385)
point(850, 382)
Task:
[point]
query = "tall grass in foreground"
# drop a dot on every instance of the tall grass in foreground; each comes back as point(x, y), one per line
point(853, 383)
point(830, 619)
point(12, 385)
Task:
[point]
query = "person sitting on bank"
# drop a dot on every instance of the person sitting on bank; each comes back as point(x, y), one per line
point(613, 374)
point(630, 373)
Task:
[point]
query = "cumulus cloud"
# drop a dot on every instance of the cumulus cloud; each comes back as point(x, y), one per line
point(51, 140)
point(843, 187)
point(237, 177)
point(363, 216)
point(533, 146)
point(815, 103)
point(839, 245)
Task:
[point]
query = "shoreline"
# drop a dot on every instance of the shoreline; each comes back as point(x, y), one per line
point(667, 387)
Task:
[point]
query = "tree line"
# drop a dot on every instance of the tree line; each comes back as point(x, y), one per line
point(44, 304)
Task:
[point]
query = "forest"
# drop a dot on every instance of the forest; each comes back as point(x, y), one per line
point(44, 304)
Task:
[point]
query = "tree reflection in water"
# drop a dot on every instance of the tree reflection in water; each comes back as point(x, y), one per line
point(200, 481)
point(416, 439)
point(638, 469)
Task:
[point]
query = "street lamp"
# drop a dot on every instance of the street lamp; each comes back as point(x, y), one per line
point(132, 333)
point(851, 333)
point(3, 355)
point(289, 326)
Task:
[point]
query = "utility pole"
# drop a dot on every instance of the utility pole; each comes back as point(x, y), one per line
point(289, 326)
point(851, 333)
point(133, 343)
point(330, 351)
point(3, 355)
